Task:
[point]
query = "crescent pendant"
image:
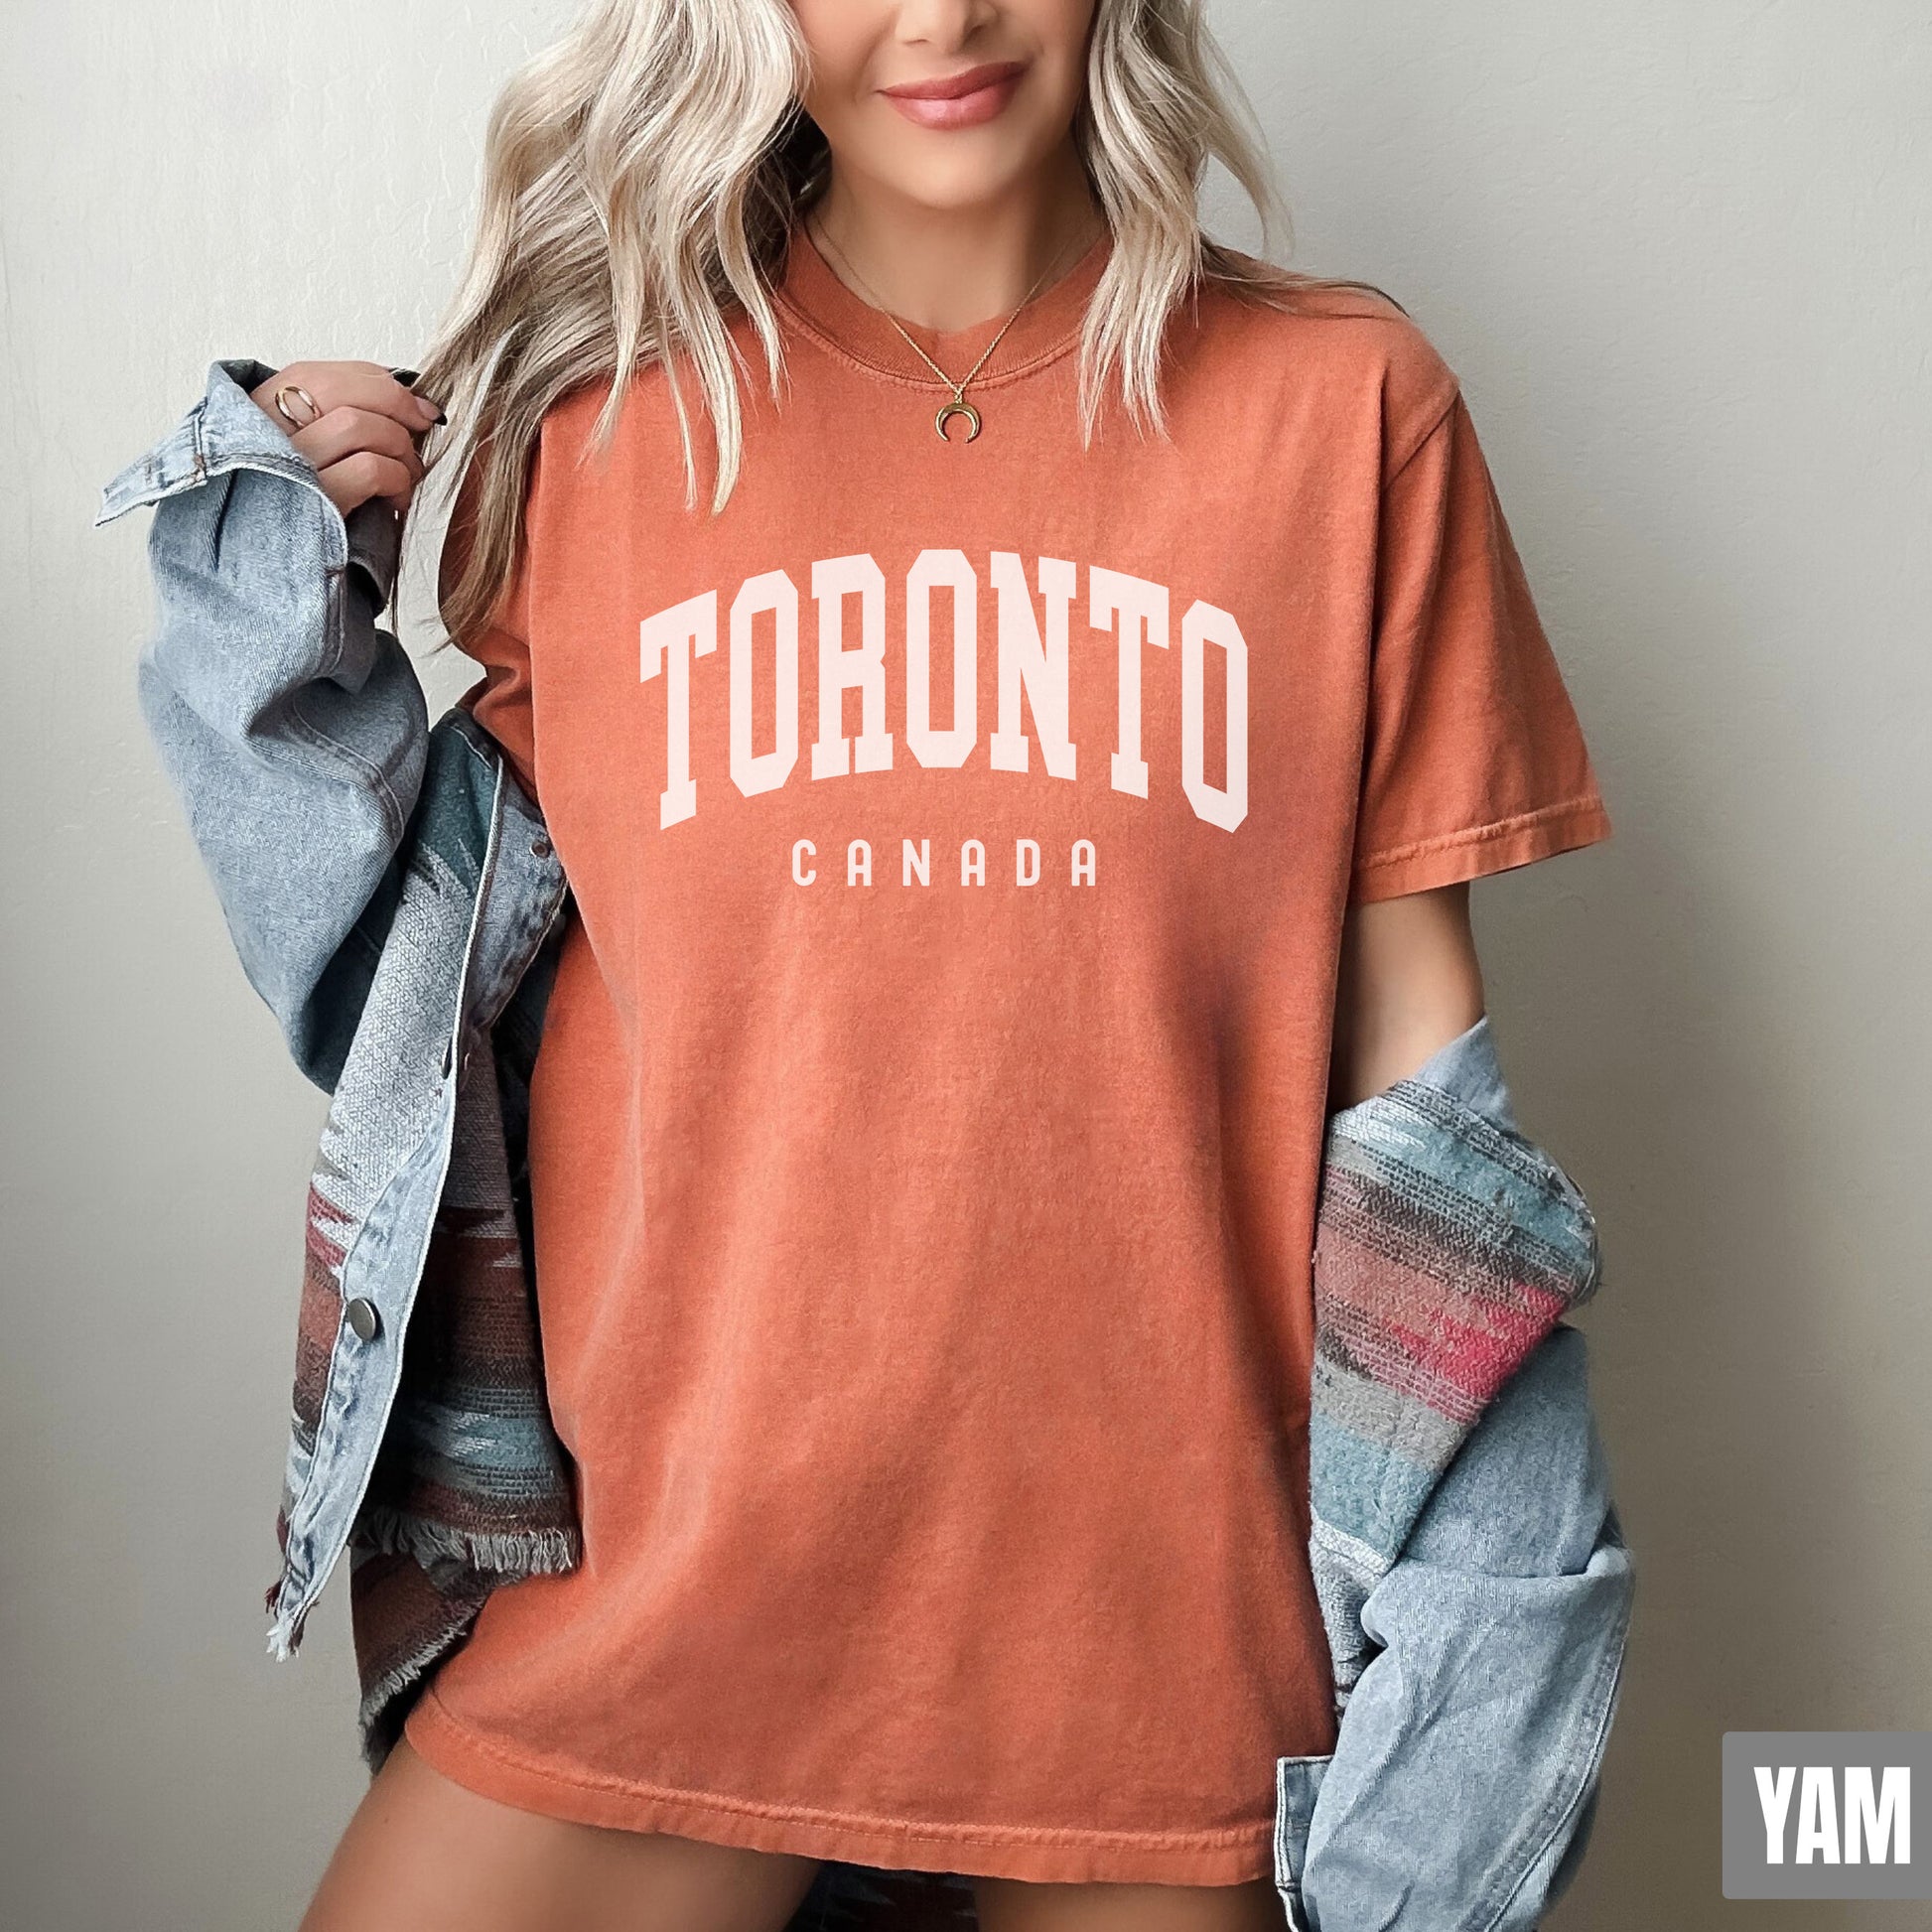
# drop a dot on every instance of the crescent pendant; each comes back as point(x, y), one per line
point(958, 406)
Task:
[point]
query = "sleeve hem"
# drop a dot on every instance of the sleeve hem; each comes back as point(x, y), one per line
point(1482, 849)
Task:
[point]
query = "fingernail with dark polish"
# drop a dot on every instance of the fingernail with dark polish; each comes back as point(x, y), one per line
point(405, 376)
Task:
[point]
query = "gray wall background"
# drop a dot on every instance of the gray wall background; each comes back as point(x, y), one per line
point(1681, 255)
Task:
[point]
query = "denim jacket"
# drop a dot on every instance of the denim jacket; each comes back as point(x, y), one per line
point(394, 900)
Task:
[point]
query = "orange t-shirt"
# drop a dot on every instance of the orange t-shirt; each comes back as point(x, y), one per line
point(926, 1139)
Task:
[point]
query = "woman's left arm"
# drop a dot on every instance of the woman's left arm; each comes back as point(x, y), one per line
point(1408, 982)
point(1473, 1577)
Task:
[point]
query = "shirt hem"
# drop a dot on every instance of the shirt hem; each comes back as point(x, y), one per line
point(1233, 1856)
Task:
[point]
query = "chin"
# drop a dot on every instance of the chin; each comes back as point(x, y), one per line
point(953, 184)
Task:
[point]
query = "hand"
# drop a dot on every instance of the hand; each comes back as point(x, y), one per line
point(363, 441)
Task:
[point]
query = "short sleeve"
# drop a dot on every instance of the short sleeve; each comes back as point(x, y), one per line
point(1474, 759)
point(500, 701)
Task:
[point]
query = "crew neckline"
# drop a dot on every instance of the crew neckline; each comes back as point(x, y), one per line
point(1045, 329)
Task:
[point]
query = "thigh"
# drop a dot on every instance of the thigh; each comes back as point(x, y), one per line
point(422, 1854)
point(1016, 1905)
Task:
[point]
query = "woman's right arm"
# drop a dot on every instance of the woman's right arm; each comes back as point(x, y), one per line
point(290, 722)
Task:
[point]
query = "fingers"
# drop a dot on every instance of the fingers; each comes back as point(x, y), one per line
point(366, 386)
point(341, 432)
point(361, 438)
point(359, 455)
point(368, 474)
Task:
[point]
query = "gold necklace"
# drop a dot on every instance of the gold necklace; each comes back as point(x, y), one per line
point(956, 404)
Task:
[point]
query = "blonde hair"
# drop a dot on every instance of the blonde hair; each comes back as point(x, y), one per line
point(643, 174)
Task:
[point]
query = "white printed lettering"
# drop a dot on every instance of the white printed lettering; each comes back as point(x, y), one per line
point(1816, 1816)
point(1225, 805)
point(1774, 1801)
point(941, 570)
point(1137, 612)
point(839, 669)
point(1033, 664)
point(767, 770)
point(667, 642)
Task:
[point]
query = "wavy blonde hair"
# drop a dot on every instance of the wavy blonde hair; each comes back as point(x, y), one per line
point(641, 177)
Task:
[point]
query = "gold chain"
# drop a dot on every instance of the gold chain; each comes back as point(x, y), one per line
point(958, 405)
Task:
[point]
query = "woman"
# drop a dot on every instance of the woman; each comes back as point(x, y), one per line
point(1018, 769)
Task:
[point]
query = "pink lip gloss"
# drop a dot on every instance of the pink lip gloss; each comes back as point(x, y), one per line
point(967, 100)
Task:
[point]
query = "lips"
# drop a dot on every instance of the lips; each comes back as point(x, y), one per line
point(958, 99)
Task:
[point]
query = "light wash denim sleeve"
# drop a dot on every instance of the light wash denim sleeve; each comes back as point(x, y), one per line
point(291, 724)
point(1462, 1786)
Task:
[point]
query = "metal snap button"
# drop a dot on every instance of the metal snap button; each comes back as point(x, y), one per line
point(363, 1317)
point(540, 848)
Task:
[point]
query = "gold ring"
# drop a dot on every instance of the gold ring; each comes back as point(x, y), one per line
point(295, 389)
